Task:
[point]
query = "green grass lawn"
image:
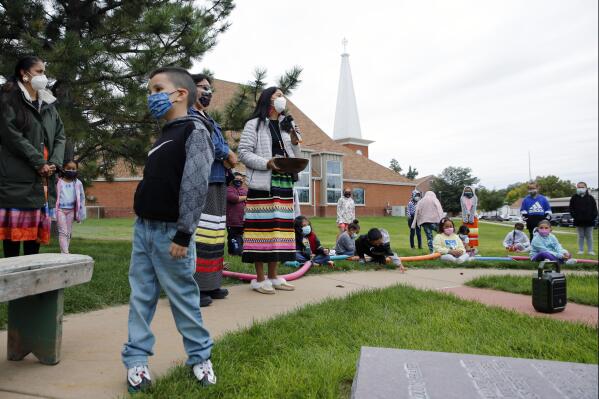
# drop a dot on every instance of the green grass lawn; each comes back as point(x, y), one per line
point(491, 235)
point(109, 284)
point(581, 288)
point(312, 353)
point(108, 242)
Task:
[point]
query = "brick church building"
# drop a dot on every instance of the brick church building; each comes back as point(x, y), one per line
point(335, 163)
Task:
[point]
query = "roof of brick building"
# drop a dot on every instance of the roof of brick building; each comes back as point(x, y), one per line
point(355, 166)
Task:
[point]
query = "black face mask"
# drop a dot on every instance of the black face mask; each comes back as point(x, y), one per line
point(205, 99)
point(347, 195)
point(70, 174)
point(468, 195)
point(237, 183)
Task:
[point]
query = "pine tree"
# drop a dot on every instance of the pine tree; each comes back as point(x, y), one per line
point(394, 166)
point(99, 54)
point(412, 173)
point(449, 186)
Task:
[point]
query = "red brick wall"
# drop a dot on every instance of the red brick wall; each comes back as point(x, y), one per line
point(355, 147)
point(115, 197)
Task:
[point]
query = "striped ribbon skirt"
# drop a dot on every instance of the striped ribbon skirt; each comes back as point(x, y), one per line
point(473, 235)
point(210, 239)
point(25, 225)
point(268, 226)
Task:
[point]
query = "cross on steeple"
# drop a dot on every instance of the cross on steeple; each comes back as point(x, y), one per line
point(344, 43)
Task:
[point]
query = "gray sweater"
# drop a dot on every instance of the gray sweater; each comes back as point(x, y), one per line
point(345, 244)
point(255, 150)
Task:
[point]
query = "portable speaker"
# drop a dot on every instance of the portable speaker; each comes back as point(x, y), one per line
point(549, 289)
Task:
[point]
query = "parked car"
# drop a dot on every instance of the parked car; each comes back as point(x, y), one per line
point(514, 218)
point(566, 220)
point(555, 219)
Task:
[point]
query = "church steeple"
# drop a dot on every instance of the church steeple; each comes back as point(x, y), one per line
point(347, 129)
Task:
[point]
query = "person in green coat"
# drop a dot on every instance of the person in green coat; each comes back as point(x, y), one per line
point(32, 143)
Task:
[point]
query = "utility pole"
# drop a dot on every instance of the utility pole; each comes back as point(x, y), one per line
point(529, 168)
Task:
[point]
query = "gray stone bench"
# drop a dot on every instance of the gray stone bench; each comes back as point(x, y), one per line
point(34, 286)
point(410, 374)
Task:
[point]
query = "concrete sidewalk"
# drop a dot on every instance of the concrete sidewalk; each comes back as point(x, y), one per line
point(91, 365)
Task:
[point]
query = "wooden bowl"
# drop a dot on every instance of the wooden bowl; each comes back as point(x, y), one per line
point(291, 165)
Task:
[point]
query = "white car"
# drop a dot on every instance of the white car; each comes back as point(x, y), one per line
point(514, 219)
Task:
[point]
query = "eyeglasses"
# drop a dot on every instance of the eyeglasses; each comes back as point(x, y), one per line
point(205, 87)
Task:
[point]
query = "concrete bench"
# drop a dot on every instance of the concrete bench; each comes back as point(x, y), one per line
point(34, 286)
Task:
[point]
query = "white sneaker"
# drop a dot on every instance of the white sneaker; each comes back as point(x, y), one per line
point(205, 373)
point(592, 253)
point(571, 262)
point(263, 287)
point(138, 379)
point(580, 253)
point(281, 284)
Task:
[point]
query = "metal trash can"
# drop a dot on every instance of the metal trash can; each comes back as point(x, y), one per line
point(549, 293)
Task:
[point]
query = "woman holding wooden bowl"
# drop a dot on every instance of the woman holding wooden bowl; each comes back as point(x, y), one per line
point(271, 155)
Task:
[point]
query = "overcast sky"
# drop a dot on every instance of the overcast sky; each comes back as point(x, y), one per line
point(439, 83)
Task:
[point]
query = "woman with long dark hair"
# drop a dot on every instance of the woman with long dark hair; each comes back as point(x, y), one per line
point(31, 146)
point(269, 236)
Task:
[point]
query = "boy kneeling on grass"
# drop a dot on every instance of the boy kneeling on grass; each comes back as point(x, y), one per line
point(376, 245)
point(168, 203)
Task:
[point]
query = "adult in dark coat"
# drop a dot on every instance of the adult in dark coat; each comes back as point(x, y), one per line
point(31, 147)
point(583, 209)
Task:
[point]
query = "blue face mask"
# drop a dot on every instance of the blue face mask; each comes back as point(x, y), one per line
point(306, 230)
point(159, 104)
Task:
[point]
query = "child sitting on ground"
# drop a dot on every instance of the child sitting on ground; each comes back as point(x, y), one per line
point(345, 243)
point(463, 234)
point(377, 246)
point(307, 245)
point(516, 240)
point(545, 246)
point(449, 244)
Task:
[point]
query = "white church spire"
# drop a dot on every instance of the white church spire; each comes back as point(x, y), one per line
point(347, 122)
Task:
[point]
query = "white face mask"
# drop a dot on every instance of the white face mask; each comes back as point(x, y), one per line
point(581, 191)
point(39, 82)
point(279, 103)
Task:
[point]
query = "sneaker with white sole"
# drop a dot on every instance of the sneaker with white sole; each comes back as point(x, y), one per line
point(138, 379)
point(592, 253)
point(580, 253)
point(571, 261)
point(280, 283)
point(205, 373)
point(263, 287)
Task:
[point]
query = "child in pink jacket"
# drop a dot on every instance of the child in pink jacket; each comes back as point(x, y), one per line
point(70, 204)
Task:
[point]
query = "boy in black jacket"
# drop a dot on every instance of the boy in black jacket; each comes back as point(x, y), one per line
point(168, 203)
point(583, 209)
point(378, 247)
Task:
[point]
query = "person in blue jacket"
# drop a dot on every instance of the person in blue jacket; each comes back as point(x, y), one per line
point(545, 246)
point(210, 233)
point(535, 207)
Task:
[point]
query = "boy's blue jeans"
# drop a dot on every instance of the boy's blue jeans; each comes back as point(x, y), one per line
point(318, 259)
point(153, 267)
